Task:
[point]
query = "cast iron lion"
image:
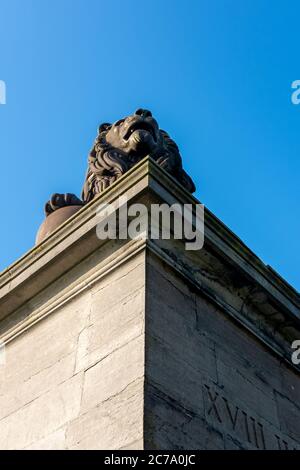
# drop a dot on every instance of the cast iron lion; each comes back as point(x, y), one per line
point(117, 148)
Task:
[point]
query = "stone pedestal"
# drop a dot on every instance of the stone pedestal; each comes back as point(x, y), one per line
point(140, 344)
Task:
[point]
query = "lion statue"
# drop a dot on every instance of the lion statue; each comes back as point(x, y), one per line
point(117, 148)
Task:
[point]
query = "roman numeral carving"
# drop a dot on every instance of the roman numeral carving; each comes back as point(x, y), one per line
point(247, 426)
point(213, 399)
point(282, 444)
point(232, 417)
point(261, 428)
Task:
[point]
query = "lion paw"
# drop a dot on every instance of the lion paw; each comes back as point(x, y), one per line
point(61, 200)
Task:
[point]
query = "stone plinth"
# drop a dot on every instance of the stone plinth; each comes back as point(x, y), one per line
point(132, 344)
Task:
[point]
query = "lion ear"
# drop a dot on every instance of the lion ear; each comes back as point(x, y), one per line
point(104, 127)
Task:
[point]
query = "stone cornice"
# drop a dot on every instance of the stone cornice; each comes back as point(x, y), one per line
point(76, 239)
point(228, 244)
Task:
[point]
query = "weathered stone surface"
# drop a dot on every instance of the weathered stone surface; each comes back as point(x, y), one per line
point(115, 423)
point(141, 344)
point(55, 441)
point(116, 315)
point(27, 390)
point(42, 416)
point(238, 380)
point(170, 426)
point(116, 327)
point(83, 360)
point(222, 379)
point(288, 411)
point(290, 383)
point(113, 373)
point(42, 358)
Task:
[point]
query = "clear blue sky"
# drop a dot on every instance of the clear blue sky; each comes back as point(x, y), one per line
point(217, 75)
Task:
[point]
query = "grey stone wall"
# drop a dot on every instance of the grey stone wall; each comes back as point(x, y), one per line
point(142, 344)
point(76, 378)
point(210, 384)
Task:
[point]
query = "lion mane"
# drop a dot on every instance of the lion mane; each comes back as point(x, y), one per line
point(106, 163)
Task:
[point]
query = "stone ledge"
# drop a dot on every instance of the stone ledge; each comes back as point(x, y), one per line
point(76, 239)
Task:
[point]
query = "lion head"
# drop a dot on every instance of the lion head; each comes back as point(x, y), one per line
point(119, 146)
